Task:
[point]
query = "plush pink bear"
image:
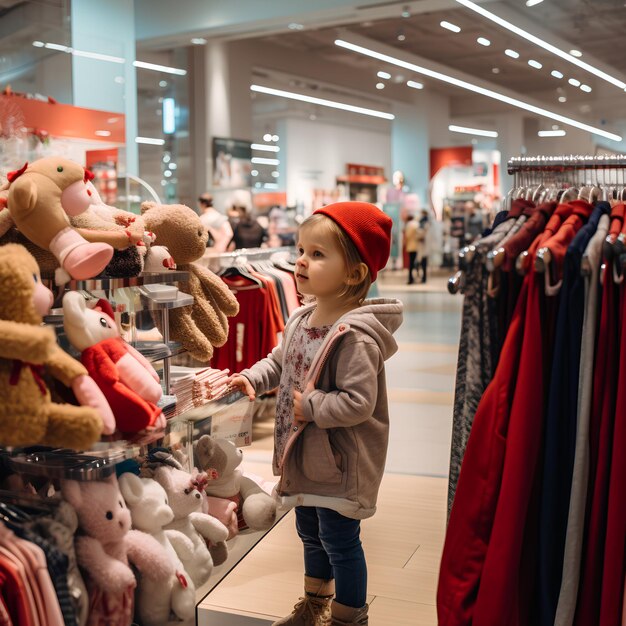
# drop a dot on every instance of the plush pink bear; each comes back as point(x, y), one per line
point(105, 548)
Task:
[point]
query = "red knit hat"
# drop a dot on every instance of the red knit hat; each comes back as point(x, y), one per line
point(368, 228)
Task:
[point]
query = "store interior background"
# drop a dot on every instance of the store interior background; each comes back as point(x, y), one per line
point(290, 46)
point(211, 53)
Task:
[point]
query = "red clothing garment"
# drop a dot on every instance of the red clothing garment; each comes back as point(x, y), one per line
point(480, 568)
point(615, 546)
point(14, 593)
point(252, 333)
point(132, 412)
point(600, 451)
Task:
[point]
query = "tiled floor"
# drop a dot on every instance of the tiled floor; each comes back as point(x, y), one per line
point(403, 540)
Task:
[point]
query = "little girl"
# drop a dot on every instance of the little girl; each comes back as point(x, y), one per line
point(332, 421)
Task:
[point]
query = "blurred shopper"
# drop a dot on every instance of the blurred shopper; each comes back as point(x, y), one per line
point(411, 244)
point(247, 233)
point(423, 243)
point(220, 231)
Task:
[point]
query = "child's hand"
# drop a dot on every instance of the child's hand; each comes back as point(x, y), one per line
point(298, 413)
point(243, 384)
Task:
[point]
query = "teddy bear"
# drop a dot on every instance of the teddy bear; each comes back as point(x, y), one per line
point(202, 325)
point(107, 545)
point(185, 499)
point(220, 459)
point(41, 198)
point(150, 512)
point(129, 382)
point(27, 414)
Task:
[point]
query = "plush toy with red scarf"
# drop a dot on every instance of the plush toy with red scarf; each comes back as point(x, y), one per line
point(127, 379)
point(27, 351)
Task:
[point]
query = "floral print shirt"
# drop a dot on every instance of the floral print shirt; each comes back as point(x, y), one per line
point(303, 347)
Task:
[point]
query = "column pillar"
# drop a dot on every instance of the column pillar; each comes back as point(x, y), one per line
point(107, 84)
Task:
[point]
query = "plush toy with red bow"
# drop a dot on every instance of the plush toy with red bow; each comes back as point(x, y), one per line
point(27, 352)
point(41, 198)
point(127, 379)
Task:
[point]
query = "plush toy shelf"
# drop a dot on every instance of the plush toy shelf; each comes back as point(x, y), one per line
point(147, 278)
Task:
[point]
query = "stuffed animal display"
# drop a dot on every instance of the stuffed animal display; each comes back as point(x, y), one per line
point(41, 198)
point(202, 325)
point(127, 379)
point(124, 233)
point(27, 414)
point(185, 499)
point(150, 513)
point(220, 459)
point(106, 547)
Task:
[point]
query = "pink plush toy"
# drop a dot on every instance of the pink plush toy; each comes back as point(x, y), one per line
point(41, 197)
point(105, 548)
point(126, 377)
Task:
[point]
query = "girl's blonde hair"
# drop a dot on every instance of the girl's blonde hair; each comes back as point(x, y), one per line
point(358, 291)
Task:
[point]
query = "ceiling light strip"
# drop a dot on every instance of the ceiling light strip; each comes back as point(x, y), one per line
point(476, 89)
point(541, 43)
point(472, 131)
point(160, 68)
point(321, 101)
point(551, 133)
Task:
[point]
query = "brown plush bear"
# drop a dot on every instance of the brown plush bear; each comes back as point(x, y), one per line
point(27, 414)
point(41, 197)
point(202, 325)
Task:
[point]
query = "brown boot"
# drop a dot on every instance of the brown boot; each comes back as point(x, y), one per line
point(314, 608)
point(347, 616)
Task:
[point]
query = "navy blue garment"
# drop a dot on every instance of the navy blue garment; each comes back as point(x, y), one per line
point(560, 423)
point(502, 216)
point(332, 549)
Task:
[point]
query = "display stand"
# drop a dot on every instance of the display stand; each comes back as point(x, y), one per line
point(228, 415)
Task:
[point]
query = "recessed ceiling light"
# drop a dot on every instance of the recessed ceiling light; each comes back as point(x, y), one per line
point(562, 99)
point(585, 88)
point(254, 173)
point(541, 43)
point(295, 26)
point(449, 26)
point(264, 147)
point(267, 137)
point(535, 64)
point(380, 85)
point(160, 68)
point(532, 3)
point(551, 133)
point(275, 137)
point(38, 44)
point(401, 37)
point(489, 93)
point(556, 74)
point(405, 12)
point(576, 53)
point(385, 75)
point(574, 82)
point(198, 41)
point(150, 141)
point(264, 161)
point(483, 41)
point(414, 85)
point(321, 101)
point(555, 127)
point(511, 53)
point(495, 70)
point(472, 131)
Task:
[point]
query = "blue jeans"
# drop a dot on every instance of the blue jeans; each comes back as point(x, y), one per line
point(332, 549)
